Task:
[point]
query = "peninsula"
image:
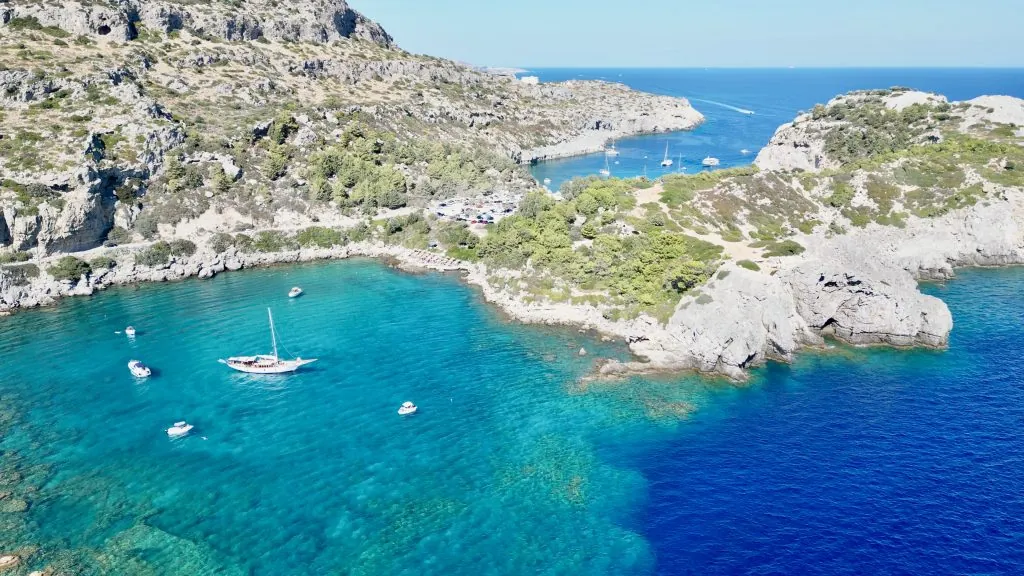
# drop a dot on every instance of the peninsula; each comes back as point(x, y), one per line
point(151, 141)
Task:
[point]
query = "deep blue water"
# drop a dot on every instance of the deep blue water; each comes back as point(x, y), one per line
point(850, 461)
point(775, 96)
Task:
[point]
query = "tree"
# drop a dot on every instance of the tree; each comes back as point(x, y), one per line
point(589, 231)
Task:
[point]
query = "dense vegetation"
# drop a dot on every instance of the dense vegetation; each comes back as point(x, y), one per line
point(588, 248)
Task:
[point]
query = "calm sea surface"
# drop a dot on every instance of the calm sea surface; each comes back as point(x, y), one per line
point(850, 461)
point(775, 96)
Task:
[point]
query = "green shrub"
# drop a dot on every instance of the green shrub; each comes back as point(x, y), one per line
point(284, 126)
point(70, 268)
point(783, 248)
point(358, 233)
point(842, 195)
point(220, 242)
point(100, 262)
point(182, 247)
point(118, 236)
point(749, 265)
point(12, 257)
point(319, 236)
point(156, 255)
point(273, 241)
point(20, 273)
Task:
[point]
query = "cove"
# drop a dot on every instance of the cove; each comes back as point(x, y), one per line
point(848, 461)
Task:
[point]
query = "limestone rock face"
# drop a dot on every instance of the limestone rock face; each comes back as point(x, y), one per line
point(742, 319)
point(795, 146)
point(302, 21)
point(85, 19)
point(876, 306)
point(83, 223)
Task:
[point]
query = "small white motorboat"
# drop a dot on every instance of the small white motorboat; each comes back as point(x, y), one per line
point(710, 162)
point(295, 292)
point(407, 408)
point(744, 151)
point(547, 181)
point(130, 331)
point(179, 429)
point(139, 370)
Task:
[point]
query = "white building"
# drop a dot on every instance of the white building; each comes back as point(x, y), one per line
point(531, 80)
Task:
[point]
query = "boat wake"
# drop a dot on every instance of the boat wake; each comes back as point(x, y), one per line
point(724, 105)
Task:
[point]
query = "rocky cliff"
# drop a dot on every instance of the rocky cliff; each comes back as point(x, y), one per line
point(320, 21)
point(135, 119)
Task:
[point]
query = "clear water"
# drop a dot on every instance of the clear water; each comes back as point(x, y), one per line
point(775, 96)
point(849, 461)
point(498, 473)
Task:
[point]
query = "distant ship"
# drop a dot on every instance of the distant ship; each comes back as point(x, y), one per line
point(611, 151)
point(710, 162)
point(606, 171)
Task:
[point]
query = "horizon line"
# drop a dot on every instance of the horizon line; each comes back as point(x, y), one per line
point(841, 67)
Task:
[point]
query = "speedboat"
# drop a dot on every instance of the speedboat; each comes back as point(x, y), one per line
point(130, 331)
point(179, 429)
point(406, 409)
point(744, 151)
point(295, 292)
point(266, 363)
point(709, 162)
point(547, 181)
point(139, 370)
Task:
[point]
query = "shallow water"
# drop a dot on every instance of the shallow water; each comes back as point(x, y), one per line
point(315, 473)
point(850, 461)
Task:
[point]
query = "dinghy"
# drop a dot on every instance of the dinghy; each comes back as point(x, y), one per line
point(179, 429)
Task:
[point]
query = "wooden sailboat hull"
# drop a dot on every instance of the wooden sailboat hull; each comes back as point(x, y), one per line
point(266, 363)
point(266, 366)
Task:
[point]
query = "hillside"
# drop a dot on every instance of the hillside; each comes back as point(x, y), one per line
point(182, 152)
point(130, 121)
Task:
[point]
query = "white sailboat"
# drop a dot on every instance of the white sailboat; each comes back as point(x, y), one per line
point(266, 363)
point(667, 161)
point(606, 171)
point(611, 151)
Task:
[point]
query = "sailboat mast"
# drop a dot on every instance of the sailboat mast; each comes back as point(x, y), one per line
point(273, 337)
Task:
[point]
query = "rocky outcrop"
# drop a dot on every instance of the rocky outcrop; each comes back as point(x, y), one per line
point(739, 320)
point(864, 304)
point(795, 146)
point(601, 111)
point(78, 18)
point(320, 21)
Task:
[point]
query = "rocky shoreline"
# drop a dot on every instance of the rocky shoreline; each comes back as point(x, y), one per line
point(860, 292)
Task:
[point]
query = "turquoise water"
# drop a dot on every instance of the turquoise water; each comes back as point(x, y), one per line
point(775, 96)
point(316, 473)
point(849, 461)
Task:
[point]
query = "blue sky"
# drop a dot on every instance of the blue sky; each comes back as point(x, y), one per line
point(667, 33)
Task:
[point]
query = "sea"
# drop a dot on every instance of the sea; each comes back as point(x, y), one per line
point(743, 108)
point(847, 461)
